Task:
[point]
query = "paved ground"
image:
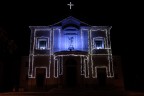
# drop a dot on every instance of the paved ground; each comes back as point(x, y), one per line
point(74, 92)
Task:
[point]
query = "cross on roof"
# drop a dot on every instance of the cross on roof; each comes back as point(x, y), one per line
point(70, 5)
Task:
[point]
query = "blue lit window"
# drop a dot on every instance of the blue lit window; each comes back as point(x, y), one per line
point(42, 43)
point(98, 43)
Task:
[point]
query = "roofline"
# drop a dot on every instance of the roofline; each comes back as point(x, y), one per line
point(109, 27)
point(70, 17)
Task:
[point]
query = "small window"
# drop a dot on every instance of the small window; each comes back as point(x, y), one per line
point(42, 43)
point(98, 43)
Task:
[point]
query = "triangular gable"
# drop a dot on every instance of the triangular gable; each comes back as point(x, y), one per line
point(70, 20)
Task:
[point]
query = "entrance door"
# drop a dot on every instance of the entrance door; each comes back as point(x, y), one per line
point(101, 77)
point(40, 78)
point(71, 73)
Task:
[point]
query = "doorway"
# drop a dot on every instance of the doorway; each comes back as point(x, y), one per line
point(71, 73)
point(40, 77)
point(101, 77)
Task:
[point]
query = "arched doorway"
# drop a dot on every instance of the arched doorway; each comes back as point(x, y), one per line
point(71, 73)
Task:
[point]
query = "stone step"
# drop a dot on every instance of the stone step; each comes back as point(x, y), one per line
point(67, 92)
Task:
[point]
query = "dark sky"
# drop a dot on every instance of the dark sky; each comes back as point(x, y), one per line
point(124, 17)
point(17, 17)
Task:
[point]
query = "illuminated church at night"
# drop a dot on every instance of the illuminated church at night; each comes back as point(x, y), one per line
point(68, 54)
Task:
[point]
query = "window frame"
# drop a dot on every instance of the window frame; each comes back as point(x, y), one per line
point(98, 39)
point(38, 39)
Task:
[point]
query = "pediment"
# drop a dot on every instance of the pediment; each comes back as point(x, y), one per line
point(70, 21)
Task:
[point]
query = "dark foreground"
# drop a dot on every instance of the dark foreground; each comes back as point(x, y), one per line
point(75, 92)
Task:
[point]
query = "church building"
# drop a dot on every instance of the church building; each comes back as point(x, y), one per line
point(68, 54)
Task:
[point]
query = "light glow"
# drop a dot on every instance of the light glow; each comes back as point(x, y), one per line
point(71, 39)
point(70, 5)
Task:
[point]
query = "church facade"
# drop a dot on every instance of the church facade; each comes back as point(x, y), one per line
point(69, 53)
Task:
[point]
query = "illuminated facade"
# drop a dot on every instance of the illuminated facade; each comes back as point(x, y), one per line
point(69, 53)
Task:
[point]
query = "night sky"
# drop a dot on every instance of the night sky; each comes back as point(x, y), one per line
point(16, 17)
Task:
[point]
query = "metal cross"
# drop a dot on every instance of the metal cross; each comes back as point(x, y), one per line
point(70, 4)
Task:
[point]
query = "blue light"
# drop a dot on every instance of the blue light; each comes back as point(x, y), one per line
point(70, 41)
point(69, 37)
